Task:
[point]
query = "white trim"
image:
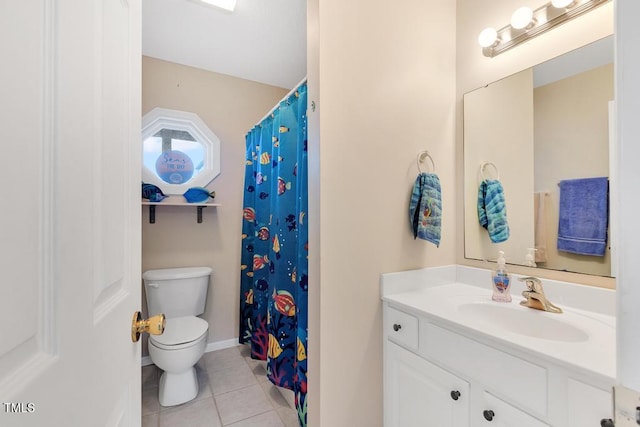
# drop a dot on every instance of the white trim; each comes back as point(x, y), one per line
point(283, 99)
point(613, 187)
point(212, 346)
point(49, 334)
point(219, 345)
point(146, 361)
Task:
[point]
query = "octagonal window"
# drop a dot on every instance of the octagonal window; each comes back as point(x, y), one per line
point(178, 151)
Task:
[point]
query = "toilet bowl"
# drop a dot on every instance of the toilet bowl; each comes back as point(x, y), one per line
point(176, 352)
point(179, 293)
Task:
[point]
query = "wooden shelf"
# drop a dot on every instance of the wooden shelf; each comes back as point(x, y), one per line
point(169, 202)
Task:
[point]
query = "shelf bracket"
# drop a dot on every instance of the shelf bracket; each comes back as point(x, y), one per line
point(152, 214)
point(200, 214)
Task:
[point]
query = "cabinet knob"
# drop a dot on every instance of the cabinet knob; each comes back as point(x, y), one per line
point(397, 327)
point(607, 422)
point(488, 414)
point(455, 394)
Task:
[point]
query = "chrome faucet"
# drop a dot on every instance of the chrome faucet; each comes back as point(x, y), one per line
point(535, 297)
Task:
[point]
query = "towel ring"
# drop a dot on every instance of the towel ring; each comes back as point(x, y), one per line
point(483, 167)
point(421, 157)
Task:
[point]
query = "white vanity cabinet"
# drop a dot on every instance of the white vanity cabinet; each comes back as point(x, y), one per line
point(419, 393)
point(438, 374)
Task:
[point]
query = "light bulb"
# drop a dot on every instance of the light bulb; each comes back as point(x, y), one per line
point(521, 18)
point(561, 4)
point(488, 37)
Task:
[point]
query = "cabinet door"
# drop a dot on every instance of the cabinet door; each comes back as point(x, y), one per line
point(587, 405)
point(497, 413)
point(418, 393)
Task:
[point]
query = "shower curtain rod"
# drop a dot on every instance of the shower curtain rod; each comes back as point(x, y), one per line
point(283, 98)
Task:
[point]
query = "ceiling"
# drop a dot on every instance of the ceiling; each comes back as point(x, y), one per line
point(262, 40)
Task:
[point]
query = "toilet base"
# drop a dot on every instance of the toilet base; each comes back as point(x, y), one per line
point(178, 388)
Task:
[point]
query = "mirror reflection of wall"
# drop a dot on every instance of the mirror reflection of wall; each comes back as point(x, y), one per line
point(541, 126)
point(571, 134)
point(498, 128)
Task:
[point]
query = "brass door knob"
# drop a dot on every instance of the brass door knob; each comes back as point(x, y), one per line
point(153, 325)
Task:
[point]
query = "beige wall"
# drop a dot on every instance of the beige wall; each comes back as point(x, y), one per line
point(386, 91)
point(474, 70)
point(572, 141)
point(230, 107)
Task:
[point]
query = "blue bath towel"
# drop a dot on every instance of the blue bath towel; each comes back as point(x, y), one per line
point(584, 216)
point(492, 210)
point(425, 209)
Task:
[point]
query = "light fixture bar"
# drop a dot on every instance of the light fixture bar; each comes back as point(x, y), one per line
point(544, 18)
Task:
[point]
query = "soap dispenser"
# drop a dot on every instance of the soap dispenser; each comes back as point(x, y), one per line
point(530, 258)
point(501, 280)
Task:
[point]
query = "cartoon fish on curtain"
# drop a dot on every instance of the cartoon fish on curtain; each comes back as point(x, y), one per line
point(274, 258)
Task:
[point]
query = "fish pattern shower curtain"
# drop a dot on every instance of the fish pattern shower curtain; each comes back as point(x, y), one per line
point(273, 297)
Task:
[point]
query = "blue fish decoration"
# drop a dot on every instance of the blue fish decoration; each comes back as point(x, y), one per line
point(151, 192)
point(198, 195)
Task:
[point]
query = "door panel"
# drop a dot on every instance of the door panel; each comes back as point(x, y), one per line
point(26, 305)
point(71, 222)
point(110, 230)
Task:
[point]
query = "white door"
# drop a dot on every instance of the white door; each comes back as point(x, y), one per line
point(69, 212)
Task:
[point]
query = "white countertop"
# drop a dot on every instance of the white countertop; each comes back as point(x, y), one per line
point(578, 338)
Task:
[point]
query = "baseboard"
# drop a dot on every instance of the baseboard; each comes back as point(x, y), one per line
point(219, 345)
point(212, 346)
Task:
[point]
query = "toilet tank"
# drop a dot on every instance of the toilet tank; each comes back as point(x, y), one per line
point(177, 291)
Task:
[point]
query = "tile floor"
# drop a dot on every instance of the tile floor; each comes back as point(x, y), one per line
point(233, 391)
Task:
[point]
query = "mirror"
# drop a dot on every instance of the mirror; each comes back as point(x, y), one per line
point(179, 151)
point(531, 131)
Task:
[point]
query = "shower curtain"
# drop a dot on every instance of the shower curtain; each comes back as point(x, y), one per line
point(273, 296)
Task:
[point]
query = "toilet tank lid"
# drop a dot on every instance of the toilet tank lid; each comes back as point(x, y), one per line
point(176, 273)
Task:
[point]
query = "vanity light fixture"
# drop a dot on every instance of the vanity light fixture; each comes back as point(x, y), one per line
point(229, 5)
point(527, 24)
point(559, 4)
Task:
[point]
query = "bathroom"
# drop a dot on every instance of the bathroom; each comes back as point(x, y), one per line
point(400, 92)
point(177, 238)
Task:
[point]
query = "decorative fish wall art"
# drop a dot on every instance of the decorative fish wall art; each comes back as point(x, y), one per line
point(198, 195)
point(152, 193)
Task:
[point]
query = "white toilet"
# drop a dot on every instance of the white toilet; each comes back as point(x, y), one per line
point(181, 294)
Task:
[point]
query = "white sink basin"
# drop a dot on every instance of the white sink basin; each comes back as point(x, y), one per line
point(521, 320)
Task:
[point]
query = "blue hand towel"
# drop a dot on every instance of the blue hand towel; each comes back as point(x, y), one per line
point(425, 209)
point(492, 210)
point(584, 216)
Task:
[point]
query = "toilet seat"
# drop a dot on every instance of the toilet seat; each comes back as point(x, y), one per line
point(180, 332)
